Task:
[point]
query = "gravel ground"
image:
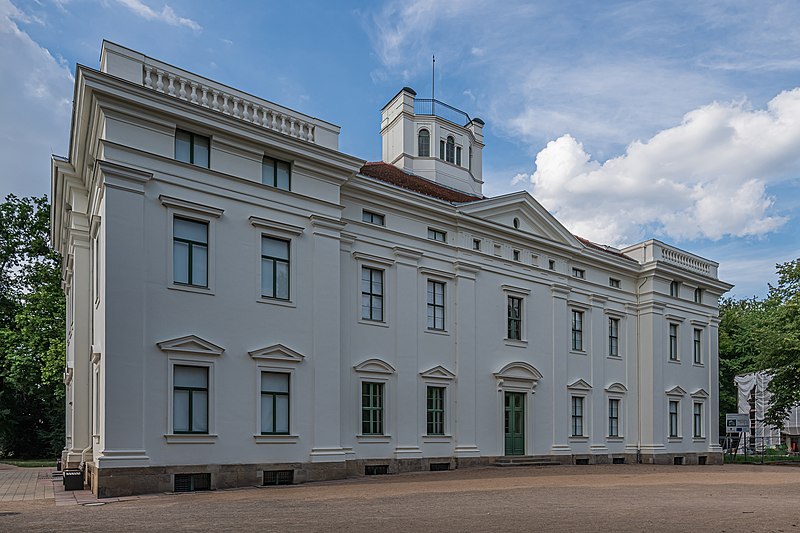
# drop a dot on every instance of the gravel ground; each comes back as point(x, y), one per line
point(563, 498)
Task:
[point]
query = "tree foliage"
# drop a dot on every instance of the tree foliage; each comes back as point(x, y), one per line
point(32, 347)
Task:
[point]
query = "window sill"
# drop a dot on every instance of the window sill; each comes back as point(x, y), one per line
point(519, 343)
point(699, 365)
point(616, 439)
point(276, 439)
point(437, 331)
point(373, 323)
point(674, 361)
point(578, 438)
point(614, 357)
point(698, 439)
point(674, 439)
point(188, 288)
point(374, 438)
point(275, 301)
point(578, 352)
point(437, 438)
point(190, 438)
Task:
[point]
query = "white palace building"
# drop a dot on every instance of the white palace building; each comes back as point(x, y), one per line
point(246, 304)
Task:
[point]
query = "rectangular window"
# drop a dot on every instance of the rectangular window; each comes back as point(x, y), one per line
point(191, 148)
point(441, 149)
point(698, 346)
point(274, 268)
point(435, 305)
point(698, 295)
point(515, 254)
point(551, 264)
point(276, 173)
point(274, 403)
point(674, 288)
point(673, 342)
point(476, 244)
point(577, 330)
point(372, 294)
point(436, 235)
point(458, 155)
point(577, 416)
point(189, 399)
point(697, 419)
point(372, 218)
point(613, 337)
point(514, 318)
point(435, 410)
point(371, 408)
point(613, 418)
point(673, 418)
point(578, 273)
point(613, 283)
point(190, 252)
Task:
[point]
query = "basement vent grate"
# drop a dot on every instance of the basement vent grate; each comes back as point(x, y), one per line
point(701, 459)
point(192, 482)
point(376, 470)
point(618, 460)
point(278, 477)
point(677, 460)
point(440, 467)
point(583, 461)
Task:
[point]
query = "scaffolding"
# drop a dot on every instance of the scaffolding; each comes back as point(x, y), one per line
point(754, 399)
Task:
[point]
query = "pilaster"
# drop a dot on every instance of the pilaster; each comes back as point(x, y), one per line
point(560, 400)
point(466, 362)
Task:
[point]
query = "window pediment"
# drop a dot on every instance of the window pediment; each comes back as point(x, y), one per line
point(438, 372)
point(277, 352)
point(374, 366)
point(580, 385)
point(699, 393)
point(519, 374)
point(191, 344)
point(617, 387)
point(676, 391)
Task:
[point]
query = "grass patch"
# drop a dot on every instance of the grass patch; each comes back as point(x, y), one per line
point(739, 458)
point(29, 463)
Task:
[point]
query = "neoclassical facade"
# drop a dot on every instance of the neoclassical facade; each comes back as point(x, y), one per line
point(247, 304)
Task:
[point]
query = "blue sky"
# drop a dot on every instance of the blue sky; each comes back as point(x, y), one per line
point(627, 120)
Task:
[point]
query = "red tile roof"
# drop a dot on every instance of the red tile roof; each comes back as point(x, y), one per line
point(602, 248)
point(398, 177)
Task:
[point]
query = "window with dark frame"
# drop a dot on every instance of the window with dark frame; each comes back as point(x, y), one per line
point(276, 173)
point(436, 300)
point(190, 399)
point(514, 318)
point(476, 244)
point(274, 268)
point(577, 416)
point(674, 288)
point(698, 295)
point(551, 264)
point(192, 148)
point(441, 149)
point(578, 273)
point(613, 337)
point(373, 218)
point(613, 283)
point(458, 155)
point(435, 410)
point(515, 254)
point(372, 294)
point(698, 346)
point(613, 417)
point(424, 143)
point(577, 330)
point(673, 418)
point(437, 235)
point(673, 342)
point(450, 156)
point(697, 416)
point(274, 403)
point(371, 408)
point(189, 252)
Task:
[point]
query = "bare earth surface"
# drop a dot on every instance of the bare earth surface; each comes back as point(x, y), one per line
point(564, 498)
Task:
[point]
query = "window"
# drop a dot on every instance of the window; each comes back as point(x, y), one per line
point(551, 264)
point(577, 416)
point(613, 417)
point(276, 173)
point(613, 337)
point(373, 218)
point(372, 294)
point(698, 346)
point(190, 252)
point(673, 342)
point(515, 255)
point(371, 408)
point(436, 305)
point(451, 147)
point(673, 418)
point(697, 420)
point(458, 155)
point(424, 143)
point(470, 158)
point(435, 410)
point(274, 268)
point(698, 295)
point(476, 244)
point(514, 318)
point(577, 330)
point(578, 273)
point(441, 148)
point(191, 148)
point(437, 235)
point(274, 403)
point(515, 223)
point(190, 399)
point(674, 288)
point(613, 283)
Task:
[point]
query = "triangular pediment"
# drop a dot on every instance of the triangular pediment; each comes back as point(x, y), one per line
point(700, 393)
point(676, 391)
point(579, 385)
point(532, 217)
point(374, 366)
point(617, 387)
point(438, 372)
point(277, 352)
point(191, 344)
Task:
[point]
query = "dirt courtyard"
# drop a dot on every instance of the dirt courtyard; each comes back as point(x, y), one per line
point(563, 498)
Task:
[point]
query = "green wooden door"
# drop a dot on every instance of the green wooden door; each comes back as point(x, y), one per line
point(515, 423)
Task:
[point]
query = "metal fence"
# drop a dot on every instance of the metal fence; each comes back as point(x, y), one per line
point(744, 448)
point(427, 106)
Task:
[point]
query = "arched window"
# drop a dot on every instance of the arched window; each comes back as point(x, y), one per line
point(451, 150)
point(424, 144)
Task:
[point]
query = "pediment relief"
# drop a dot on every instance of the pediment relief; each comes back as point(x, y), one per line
point(519, 371)
point(700, 393)
point(277, 352)
point(438, 372)
point(617, 387)
point(579, 385)
point(676, 391)
point(374, 366)
point(191, 344)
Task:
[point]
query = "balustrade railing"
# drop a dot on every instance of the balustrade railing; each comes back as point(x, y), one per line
point(688, 262)
point(428, 106)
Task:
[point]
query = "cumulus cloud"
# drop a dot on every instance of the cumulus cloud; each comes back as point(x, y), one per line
point(704, 178)
point(166, 15)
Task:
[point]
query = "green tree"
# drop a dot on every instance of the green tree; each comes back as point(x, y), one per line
point(31, 332)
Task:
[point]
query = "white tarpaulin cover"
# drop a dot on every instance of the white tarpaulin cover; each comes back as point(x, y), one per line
point(764, 435)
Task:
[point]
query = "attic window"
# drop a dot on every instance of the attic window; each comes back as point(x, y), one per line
point(578, 273)
point(551, 264)
point(516, 223)
point(476, 244)
point(437, 235)
point(516, 255)
point(614, 283)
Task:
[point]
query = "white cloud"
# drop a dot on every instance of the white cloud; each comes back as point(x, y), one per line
point(704, 178)
point(166, 15)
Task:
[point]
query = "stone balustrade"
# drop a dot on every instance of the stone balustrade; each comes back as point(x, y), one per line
point(683, 260)
point(654, 250)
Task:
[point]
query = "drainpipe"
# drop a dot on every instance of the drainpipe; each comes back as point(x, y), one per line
point(639, 374)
